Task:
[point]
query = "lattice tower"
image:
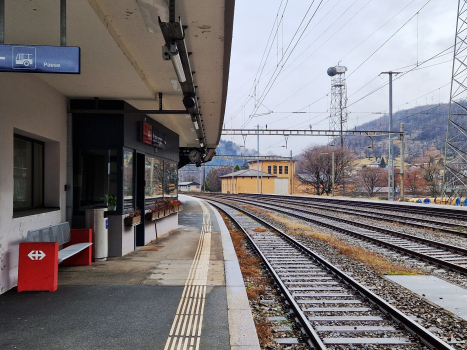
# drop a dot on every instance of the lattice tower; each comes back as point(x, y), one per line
point(455, 154)
point(338, 115)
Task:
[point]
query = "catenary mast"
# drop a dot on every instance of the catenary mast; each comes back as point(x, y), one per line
point(455, 152)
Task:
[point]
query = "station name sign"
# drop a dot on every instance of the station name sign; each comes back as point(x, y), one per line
point(40, 59)
point(152, 136)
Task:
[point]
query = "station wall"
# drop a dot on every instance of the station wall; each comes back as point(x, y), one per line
point(32, 109)
point(247, 184)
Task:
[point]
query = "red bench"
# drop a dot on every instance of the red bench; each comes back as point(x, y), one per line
point(40, 255)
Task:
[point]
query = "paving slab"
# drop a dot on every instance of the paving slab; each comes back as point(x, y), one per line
point(436, 290)
point(121, 303)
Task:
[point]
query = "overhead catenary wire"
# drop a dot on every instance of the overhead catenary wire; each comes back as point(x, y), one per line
point(380, 87)
point(328, 41)
point(354, 47)
point(336, 33)
point(417, 67)
point(398, 77)
point(274, 76)
point(397, 31)
point(262, 64)
point(236, 113)
point(381, 112)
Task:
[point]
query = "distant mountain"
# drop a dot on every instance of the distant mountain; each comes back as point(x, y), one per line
point(424, 127)
point(231, 148)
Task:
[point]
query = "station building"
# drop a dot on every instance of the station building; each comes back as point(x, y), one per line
point(146, 98)
point(275, 176)
point(189, 186)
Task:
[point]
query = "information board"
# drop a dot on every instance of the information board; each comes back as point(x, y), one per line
point(40, 59)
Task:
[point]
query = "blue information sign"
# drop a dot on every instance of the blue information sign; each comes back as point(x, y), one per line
point(40, 59)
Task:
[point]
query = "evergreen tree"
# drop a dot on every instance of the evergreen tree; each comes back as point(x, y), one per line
point(237, 167)
point(383, 163)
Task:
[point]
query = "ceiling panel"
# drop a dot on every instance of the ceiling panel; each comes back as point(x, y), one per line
point(122, 59)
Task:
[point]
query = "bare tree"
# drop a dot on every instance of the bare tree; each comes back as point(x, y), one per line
point(213, 180)
point(371, 179)
point(431, 169)
point(414, 181)
point(314, 167)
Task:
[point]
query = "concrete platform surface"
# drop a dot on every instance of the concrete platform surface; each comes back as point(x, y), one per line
point(171, 293)
point(436, 290)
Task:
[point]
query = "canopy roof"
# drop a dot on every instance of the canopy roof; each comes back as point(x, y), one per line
point(122, 59)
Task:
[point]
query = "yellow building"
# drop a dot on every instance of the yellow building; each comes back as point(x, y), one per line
point(275, 177)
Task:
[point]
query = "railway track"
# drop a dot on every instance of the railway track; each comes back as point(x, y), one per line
point(446, 227)
point(438, 253)
point(335, 311)
point(435, 212)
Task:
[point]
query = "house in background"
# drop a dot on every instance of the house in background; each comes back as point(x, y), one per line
point(275, 176)
point(189, 186)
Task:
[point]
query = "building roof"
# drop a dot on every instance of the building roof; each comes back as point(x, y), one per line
point(188, 183)
point(248, 173)
point(271, 159)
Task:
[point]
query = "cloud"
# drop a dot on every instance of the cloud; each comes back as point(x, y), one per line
point(304, 80)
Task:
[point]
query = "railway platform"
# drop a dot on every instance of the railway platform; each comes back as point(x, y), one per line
point(184, 291)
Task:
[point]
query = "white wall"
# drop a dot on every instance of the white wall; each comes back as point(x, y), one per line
point(30, 107)
point(164, 226)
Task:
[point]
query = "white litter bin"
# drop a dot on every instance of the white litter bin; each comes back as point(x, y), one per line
point(96, 220)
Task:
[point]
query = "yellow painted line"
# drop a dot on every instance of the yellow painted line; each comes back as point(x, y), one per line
point(185, 333)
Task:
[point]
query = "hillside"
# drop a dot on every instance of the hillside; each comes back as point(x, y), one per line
point(424, 126)
point(231, 148)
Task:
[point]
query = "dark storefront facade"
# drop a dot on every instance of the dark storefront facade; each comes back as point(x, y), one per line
point(115, 164)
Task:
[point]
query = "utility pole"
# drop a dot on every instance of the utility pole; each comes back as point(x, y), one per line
point(390, 150)
point(402, 162)
point(232, 181)
point(333, 173)
point(257, 166)
point(291, 173)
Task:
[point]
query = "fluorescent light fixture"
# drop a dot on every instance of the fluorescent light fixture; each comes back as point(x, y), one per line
point(175, 84)
point(151, 10)
point(177, 62)
point(195, 123)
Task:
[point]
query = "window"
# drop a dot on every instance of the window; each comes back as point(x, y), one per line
point(170, 179)
point(286, 169)
point(28, 173)
point(95, 179)
point(128, 187)
point(275, 169)
point(154, 177)
point(280, 169)
point(269, 169)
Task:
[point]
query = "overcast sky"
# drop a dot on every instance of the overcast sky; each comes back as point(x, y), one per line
point(353, 32)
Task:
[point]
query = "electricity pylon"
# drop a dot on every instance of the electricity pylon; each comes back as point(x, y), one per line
point(455, 152)
point(338, 116)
